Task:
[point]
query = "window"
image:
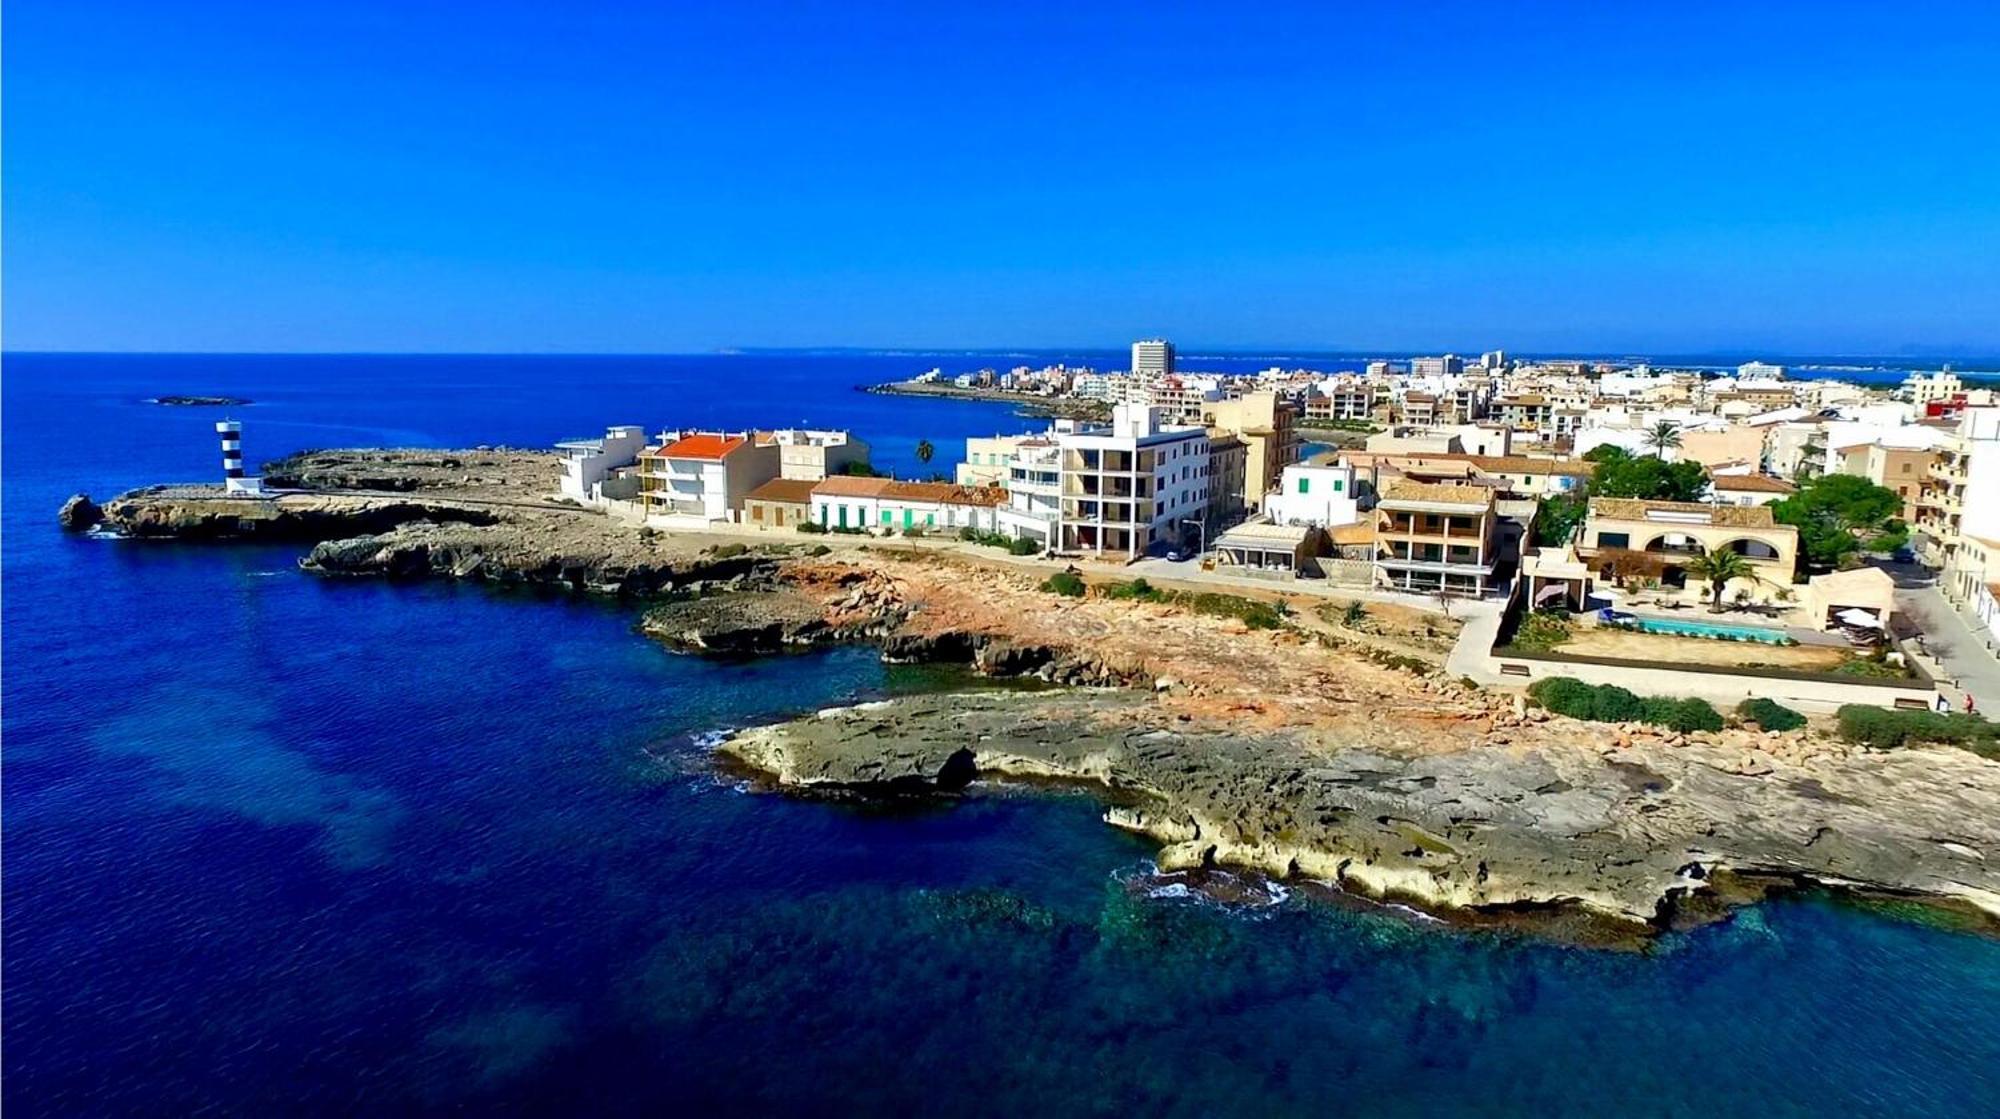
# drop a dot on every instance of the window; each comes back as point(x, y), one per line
point(885, 516)
point(1337, 483)
point(1614, 540)
point(1304, 484)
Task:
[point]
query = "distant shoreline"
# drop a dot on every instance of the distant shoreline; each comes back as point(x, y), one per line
point(1031, 404)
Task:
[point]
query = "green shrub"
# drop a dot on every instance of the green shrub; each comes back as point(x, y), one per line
point(1609, 703)
point(1023, 547)
point(1886, 729)
point(813, 527)
point(1138, 589)
point(1683, 715)
point(1353, 615)
point(1563, 696)
point(1065, 583)
point(1770, 714)
point(1541, 631)
point(818, 550)
point(728, 551)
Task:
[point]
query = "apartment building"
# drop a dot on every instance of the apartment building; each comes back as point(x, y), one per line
point(1971, 553)
point(989, 460)
point(1228, 467)
point(1899, 468)
point(1266, 423)
point(1152, 358)
point(587, 464)
point(1130, 487)
point(808, 455)
point(703, 476)
point(1433, 538)
point(1034, 491)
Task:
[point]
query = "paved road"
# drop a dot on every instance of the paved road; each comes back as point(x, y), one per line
point(1964, 662)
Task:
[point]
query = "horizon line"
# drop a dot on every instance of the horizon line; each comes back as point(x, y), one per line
point(1385, 353)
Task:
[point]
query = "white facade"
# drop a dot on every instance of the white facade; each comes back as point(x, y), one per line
point(1927, 387)
point(1034, 492)
point(808, 455)
point(587, 463)
point(1759, 371)
point(1314, 495)
point(1152, 358)
point(1127, 487)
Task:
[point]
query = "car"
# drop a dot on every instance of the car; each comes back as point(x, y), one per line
point(1903, 555)
point(1176, 556)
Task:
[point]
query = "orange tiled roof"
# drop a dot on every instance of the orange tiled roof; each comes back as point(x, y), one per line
point(792, 491)
point(1753, 483)
point(842, 485)
point(702, 446)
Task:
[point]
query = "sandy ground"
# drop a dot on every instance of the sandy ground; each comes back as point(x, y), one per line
point(1662, 648)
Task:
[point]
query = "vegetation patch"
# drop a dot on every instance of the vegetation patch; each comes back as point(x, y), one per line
point(1065, 583)
point(1542, 631)
point(1609, 703)
point(1769, 714)
point(1884, 729)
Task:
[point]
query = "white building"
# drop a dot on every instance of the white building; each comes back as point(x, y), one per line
point(1152, 358)
point(1759, 371)
point(588, 463)
point(807, 455)
point(1449, 364)
point(1927, 387)
point(695, 478)
point(1127, 487)
point(1034, 491)
point(885, 505)
point(1314, 495)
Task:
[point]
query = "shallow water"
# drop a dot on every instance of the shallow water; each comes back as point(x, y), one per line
point(277, 844)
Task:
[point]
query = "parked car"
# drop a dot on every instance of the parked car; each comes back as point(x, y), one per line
point(1903, 555)
point(1176, 556)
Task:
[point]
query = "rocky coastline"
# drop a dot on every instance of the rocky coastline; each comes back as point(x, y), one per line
point(1291, 752)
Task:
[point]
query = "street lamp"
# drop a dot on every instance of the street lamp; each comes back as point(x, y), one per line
point(1202, 539)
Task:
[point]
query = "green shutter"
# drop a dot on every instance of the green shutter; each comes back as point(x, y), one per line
point(1303, 484)
point(843, 516)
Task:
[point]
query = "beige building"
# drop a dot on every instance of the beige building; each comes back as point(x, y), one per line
point(1734, 443)
point(989, 459)
point(812, 455)
point(779, 503)
point(1228, 459)
point(1624, 536)
point(1902, 469)
point(1435, 537)
point(1265, 423)
point(703, 476)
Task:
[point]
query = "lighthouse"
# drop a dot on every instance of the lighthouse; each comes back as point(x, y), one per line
point(233, 478)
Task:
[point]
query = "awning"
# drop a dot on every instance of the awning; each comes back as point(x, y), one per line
point(1859, 618)
point(1554, 591)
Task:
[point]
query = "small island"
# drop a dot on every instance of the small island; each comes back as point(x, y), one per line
point(199, 401)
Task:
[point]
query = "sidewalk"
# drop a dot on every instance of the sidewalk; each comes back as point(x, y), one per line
point(1959, 656)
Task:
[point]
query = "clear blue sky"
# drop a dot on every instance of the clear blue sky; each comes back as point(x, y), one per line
point(653, 177)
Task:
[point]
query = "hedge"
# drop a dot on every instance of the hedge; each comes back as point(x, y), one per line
point(1609, 703)
point(1887, 729)
point(1064, 583)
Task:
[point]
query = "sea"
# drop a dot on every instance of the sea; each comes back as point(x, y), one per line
point(277, 845)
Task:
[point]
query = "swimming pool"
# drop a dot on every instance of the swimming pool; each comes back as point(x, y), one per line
point(1680, 628)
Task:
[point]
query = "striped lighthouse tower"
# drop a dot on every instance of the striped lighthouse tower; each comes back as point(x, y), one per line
point(233, 478)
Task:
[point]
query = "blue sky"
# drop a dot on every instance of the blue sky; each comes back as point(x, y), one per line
point(658, 177)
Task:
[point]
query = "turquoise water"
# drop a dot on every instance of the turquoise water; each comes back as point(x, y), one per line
point(1707, 629)
point(277, 845)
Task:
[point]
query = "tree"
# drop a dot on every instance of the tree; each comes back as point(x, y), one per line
point(1649, 478)
point(925, 451)
point(1838, 515)
point(1662, 437)
point(1556, 519)
point(1719, 567)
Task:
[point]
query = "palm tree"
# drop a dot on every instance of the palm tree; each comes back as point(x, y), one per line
point(925, 451)
point(1718, 568)
point(1662, 436)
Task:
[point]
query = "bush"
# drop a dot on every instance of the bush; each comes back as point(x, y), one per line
point(1769, 714)
point(818, 550)
point(1609, 703)
point(1353, 615)
point(1138, 589)
point(813, 527)
point(1885, 729)
point(1563, 696)
point(1541, 631)
point(1065, 583)
point(1022, 547)
point(1683, 715)
point(729, 551)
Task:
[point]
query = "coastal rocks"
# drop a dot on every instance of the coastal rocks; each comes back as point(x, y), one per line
point(518, 553)
point(79, 514)
point(740, 623)
point(200, 401)
point(206, 513)
point(1486, 831)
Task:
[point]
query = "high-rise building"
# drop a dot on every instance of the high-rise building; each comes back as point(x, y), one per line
point(1448, 365)
point(1152, 359)
point(1265, 423)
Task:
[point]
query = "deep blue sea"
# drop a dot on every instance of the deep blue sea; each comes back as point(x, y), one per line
point(281, 846)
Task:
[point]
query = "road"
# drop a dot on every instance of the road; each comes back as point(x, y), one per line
point(1961, 658)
